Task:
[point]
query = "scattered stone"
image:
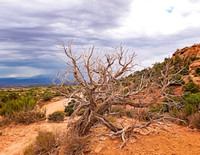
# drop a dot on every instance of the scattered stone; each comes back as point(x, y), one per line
point(103, 138)
point(98, 148)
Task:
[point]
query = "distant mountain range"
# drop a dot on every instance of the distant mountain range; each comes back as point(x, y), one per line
point(32, 81)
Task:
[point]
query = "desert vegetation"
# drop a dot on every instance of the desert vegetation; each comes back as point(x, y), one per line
point(103, 84)
point(23, 105)
point(105, 89)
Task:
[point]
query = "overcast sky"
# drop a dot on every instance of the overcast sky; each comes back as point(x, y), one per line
point(30, 30)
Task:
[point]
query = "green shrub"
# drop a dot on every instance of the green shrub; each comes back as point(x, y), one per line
point(129, 114)
point(57, 116)
point(47, 96)
point(193, 58)
point(159, 108)
point(189, 109)
point(13, 106)
point(193, 98)
point(177, 80)
point(198, 71)
point(69, 110)
point(191, 87)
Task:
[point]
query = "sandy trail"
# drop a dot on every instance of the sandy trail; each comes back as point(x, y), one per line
point(15, 138)
point(55, 106)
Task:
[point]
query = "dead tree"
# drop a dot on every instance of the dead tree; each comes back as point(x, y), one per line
point(98, 87)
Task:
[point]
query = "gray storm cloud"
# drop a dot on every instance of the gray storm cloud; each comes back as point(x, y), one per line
point(30, 32)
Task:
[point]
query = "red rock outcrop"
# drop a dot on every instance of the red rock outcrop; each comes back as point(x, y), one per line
point(186, 54)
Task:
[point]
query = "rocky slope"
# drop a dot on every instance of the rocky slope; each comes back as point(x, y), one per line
point(191, 54)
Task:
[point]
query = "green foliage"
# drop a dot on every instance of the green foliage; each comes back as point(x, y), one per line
point(191, 87)
point(159, 108)
point(47, 96)
point(198, 71)
point(194, 58)
point(189, 109)
point(69, 109)
point(177, 80)
point(129, 114)
point(57, 116)
point(23, 103)
point(192, 98)
point(158, 67)
point(177, 60)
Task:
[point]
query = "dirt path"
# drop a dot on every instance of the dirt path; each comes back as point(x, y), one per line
point(55, 106)
point(16, 137)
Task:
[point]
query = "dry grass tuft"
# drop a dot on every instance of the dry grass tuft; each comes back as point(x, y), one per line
point(46, 143)
point(195, 121)
point(72, 144)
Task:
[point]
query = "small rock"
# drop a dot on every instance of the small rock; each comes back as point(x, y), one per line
point(1, 133)
point(98, 148)
point(103, 138)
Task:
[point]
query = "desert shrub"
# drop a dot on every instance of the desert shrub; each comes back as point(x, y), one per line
point(158, 67)
point(195, 120)
point(73, 144)
point(46, 143)
point(141, 114)
point(169, 91)
point(159, 108)
point(189, 109)
point(129, 114)
point(24, 117)
point(193, 98)
point(197, 71)
point(193, 58)
point(180, 115)
point(20, 104)
point(57, 116)
point(47, 96)
point(27, 117)
point(117, 110)
point(191, 87)
point(177, 80)
point(69, 109)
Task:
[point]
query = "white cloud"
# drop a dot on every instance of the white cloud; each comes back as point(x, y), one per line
point(151, 18)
